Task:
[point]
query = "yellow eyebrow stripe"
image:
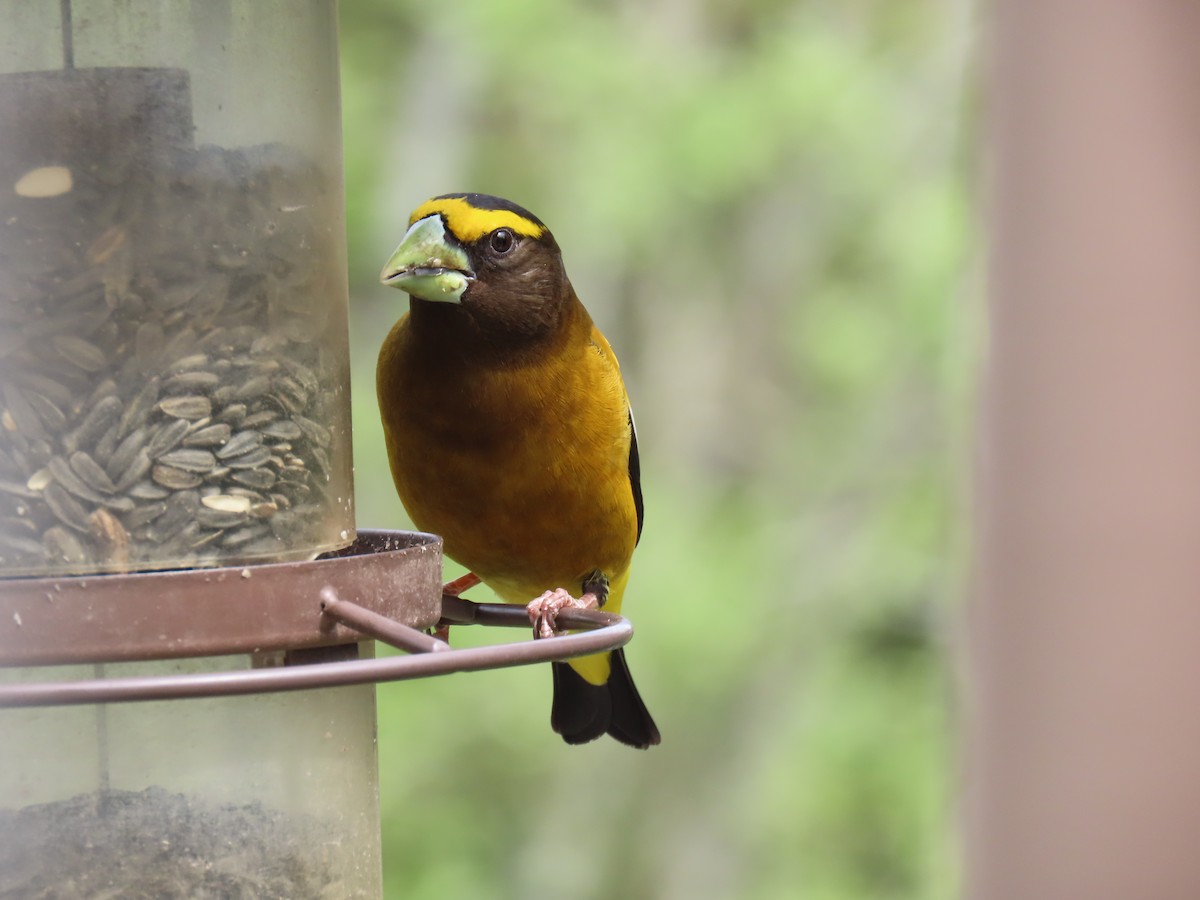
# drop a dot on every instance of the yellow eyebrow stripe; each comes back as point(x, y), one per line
point(470, 224)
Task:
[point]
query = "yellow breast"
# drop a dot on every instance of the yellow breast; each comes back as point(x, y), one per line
point(523, 469)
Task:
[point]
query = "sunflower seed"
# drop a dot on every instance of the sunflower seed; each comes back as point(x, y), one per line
point(189, 460)
point(188, 382)
point(260, 418)
point(62, 546)
point(315, 432)
point(38, 480)
point(240, 443)
point(167, 437)
point(105, 245)
point(323, 465)
point(294, 475)
point(181, 509)
point(134, 472)
point(98, 420)
point(189, 363)
point(304, 376)
point(233, 414)
point(26, 420)
point(254, 364)
point(37, 451)
point(120, 504)
point(223, 395)
point(216, 340)
point(267, 344)
point(79, 352)
point(227, 503)
point(103, 450)
point(110, 534)
point(175, 479)
point(105, 388)
point(206, 540)
point(91, 473)
point(60, 394)
point(65, 476)
point(48, 411)
point(65, 507)
point(298, 491)
point(147, 490)
point(123, 455)
point(187, 406)
point(179, 548)
point(284, 429)
point(291, 394)
point(208, 436)
point(144, 515)
point(137, 413)
point(251, 459)
point(260, 479)
point(218, 518)
point(252, 388)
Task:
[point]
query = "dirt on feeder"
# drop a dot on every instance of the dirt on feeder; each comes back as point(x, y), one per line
point(156, 845)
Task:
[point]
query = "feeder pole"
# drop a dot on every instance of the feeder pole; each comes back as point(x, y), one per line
point(1083, 776)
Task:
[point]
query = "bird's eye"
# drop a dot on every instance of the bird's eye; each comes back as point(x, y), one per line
point(502, 240)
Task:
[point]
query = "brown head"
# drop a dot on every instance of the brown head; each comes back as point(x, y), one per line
point(482, 268)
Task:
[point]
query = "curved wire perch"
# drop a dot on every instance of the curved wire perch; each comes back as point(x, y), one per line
point(601, 632)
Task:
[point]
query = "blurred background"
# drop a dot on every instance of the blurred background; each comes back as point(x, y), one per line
point(767, 207)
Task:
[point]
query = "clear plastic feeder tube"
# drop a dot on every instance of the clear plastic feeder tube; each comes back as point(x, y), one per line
point(174, 378)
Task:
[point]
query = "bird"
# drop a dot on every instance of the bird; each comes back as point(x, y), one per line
point(509, 433)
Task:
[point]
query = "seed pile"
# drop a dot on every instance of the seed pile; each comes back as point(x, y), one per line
point(163, 393)
point(155, 843)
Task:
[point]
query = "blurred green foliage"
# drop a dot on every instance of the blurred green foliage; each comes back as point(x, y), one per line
point(764, 206)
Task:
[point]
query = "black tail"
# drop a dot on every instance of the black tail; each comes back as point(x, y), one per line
point(583, 711)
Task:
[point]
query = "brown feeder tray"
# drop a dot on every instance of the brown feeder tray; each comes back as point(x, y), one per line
point(385, 586)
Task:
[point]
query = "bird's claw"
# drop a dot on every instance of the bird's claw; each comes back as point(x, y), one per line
point(543, 612)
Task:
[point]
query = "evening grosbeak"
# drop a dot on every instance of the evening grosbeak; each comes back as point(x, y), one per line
point(509, 434)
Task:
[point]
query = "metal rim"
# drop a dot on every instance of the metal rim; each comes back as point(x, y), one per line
point(601, 632)
point(218, 611)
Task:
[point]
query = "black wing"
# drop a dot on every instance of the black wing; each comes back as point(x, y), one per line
point(635, 475)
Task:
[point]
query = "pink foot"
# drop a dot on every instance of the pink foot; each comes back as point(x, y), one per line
point(453, 589)
point(543, 612)
point(460, 584)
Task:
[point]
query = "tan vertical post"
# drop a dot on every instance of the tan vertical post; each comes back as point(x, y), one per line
point(1083, 774)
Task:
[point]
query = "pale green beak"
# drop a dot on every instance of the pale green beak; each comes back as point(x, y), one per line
point(429, 264)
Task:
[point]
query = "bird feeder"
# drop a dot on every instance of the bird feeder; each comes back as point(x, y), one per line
point(187, 616)
point(175, 396)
